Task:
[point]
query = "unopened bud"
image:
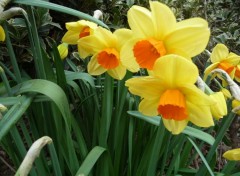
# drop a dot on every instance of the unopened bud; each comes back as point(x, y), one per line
point(3, 108)
point(97, 14)
point(234, 88)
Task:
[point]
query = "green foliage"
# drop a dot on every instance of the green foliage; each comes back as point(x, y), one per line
point(93, 121)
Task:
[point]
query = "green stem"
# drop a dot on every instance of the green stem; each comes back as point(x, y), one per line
point(12, 55)
point(119, 122)
point(107, 106)
point(36, 46)
point(157, 146)
point(5, 81)
point(9, 73)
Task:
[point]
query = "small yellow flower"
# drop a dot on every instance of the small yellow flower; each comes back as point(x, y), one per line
point(63, 50)
point(229, 62)
point(233, 154)
point(171, 93)
point(219, 109)
point(157, 33)
point(105, 47)
point(77, 31)
point(2, 34)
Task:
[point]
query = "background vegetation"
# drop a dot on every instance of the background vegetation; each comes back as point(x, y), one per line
point(46, 96)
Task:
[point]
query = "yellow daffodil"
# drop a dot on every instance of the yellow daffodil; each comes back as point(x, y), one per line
point(157, 33)
point(219, 109)
point(77, 31)
point(63, 50)
point(105, 47)
point(221, 58)
point(171, 93)
point(2, 34)
point(233, 154)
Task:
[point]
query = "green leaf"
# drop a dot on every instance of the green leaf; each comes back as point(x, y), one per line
point(199, 134)
point(70, 76)
point(202, 157)
point(56, 7)
point(90, 160)
point(51, 90)
point(14, 114)
point(155, 120)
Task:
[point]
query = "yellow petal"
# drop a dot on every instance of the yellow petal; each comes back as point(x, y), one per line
point(146, 87)
point(233, 154)
point(2, 34)
point(79, 25)
point(219, 53)
point(191, 39)
point(149, 107)
point(175, 70)
point(226, 93)
point(63, 50)
point(193, 22)
point(71, 37)
point(126, 56)
point(84, 52)
point(85, 23)
point(90, 45)
point(175, 127)
point(219, 109)
point(74, 26)
point(209, 69)
point(94, 68)
point(199, 115)
point(106, 37)
point(122, 36)
point(117, 73)
point(195, 95)
point(139, 19)
point(101, 40)
point(163, 18)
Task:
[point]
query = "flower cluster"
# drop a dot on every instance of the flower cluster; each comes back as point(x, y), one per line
point(225, 60)
point(156, 41)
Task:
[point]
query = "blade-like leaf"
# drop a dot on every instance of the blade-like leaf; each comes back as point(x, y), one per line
point(188, 130)
point(202, 157)
point(56, 7)
point(14, 114)
point(51, 90)
point(199, 134)
point(90, 160)
point(153, 120)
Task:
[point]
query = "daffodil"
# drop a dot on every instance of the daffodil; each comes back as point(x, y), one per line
point(233, 154)
point(105, 47)
point(63, 50)
point(219, 108)
point(222, 59)
point(77, 31)
point(2, 34)
point(157, 33)
point(171, 93)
